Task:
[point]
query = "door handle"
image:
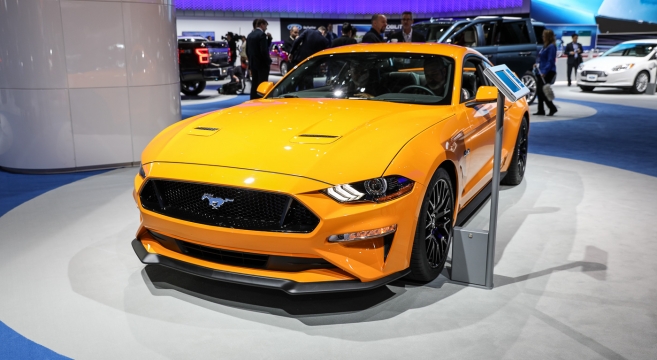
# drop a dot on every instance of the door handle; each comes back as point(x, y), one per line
point(467, 152)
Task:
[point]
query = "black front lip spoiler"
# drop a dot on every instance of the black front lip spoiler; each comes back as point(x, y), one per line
point(289, 286)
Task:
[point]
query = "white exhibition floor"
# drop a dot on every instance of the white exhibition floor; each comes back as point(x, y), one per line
point(575, 278)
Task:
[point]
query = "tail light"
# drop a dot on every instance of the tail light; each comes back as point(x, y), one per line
point(203, 56)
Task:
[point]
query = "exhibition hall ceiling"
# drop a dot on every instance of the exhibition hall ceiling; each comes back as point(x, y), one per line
point(354, 7)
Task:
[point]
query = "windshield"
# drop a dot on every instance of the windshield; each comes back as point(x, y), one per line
point(434, 32)
point(633, 50)
point(390, 77)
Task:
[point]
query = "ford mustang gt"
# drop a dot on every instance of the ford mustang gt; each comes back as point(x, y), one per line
point(349, 173)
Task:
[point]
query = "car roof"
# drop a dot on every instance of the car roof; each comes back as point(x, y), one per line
point(417, 48)
point(473, 20)
point(644, 41)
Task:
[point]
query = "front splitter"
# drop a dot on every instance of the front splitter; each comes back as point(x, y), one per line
point(289, 286)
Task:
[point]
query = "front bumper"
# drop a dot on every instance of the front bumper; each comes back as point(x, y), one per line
point(373, 261)
point(289, 286)
point(612, 79)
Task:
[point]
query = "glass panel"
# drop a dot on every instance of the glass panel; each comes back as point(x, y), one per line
point(634, 50)
point(391, 77)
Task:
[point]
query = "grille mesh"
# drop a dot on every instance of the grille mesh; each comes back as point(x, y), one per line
point(249, 210)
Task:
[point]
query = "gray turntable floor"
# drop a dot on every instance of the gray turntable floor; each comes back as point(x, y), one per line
point(575, 278)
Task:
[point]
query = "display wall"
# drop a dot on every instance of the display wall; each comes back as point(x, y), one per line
point(345, 8)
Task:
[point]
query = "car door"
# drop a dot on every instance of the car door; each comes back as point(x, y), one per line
point(275, 55)
point(515, 46)
point(486, 33)
point(480, 138)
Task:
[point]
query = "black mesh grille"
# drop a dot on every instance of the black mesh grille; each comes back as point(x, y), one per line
point(248, 210)
point(224, 256)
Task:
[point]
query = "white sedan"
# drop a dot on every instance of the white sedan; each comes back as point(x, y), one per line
point(629, 65)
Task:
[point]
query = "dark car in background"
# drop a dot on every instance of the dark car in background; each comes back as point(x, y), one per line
point(200, 60)
point(280, 61)
point(512, 41)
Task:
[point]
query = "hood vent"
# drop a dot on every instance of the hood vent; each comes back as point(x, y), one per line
point(203, 131)
point(319, 136)
point(314, 139)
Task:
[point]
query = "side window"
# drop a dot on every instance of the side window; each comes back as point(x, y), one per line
point(467, 37)
point(489, 30)
point(514, 33)
point(472, 78)
point(538, 30)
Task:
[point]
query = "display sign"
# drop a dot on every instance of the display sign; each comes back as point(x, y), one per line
point(506, 82)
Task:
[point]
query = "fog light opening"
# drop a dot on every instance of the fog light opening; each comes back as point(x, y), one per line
point(364, 234)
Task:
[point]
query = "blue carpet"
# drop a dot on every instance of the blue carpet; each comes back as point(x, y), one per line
point(16, 189)
point(16, 347)
point(619, 136)
point(192, 110)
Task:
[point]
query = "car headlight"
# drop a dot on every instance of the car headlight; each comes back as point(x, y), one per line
point(622, 67)
point(374, 190)
point(580, 67)
point(142, 173)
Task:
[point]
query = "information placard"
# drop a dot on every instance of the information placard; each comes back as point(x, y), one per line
point(507, 82)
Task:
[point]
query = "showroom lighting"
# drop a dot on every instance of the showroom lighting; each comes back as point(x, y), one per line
point(363, 235)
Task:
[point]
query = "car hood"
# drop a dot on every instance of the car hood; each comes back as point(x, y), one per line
point(607, 62)
point(331, 140)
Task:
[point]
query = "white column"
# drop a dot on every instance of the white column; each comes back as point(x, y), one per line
point(85, 84)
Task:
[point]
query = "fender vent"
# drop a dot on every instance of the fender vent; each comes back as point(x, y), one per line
point(319, 136)
point(206, 128)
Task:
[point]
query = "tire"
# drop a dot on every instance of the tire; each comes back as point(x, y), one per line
point(436, 219)
point(192, 88)
point(530, 82)
point(516, 171)
point(587, 88)
point(284, 68)
point(640, 83)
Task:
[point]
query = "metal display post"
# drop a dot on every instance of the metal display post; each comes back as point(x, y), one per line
point(495, 192)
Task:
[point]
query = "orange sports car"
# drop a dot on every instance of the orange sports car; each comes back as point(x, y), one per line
point(350, 173)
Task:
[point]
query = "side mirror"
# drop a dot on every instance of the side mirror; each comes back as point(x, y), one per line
point(265, 87)
point(484, 94)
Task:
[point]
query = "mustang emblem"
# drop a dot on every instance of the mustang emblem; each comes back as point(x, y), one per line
point(215, 202)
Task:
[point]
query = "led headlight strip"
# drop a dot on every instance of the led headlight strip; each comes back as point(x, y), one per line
point(372, 190)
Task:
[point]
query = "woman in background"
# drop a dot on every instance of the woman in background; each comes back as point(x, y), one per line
point(547, 68)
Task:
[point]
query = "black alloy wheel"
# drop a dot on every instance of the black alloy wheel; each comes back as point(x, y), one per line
point(518, 165)
point(192, 88)
point(530, 82)
point(435, 229)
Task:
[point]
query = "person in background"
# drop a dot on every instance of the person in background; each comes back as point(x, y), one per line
point(232, 46)
point(406, 34)
point(346, 38)
point(308, 43)
point(243, 58)
point(258, 55)
point(330, 35)
point(574, 52)
point(547, 68)
point(379, 24)
point(287, 43)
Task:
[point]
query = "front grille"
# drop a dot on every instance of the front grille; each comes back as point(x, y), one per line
point(224, 256)
point(589, 72)
point(248, 210)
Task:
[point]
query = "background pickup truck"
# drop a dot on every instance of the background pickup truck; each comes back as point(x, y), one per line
point(514, 42)
point(200, 60)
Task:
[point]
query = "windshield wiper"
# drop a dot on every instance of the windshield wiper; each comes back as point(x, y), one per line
point(287, 96)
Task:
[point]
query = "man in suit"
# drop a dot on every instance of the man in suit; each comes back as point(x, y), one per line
point(379, 24)
point(574, 51)
point(330, 35)
point(257, 47)
point(287, 43)
point(308, 43)
point(406, 34)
